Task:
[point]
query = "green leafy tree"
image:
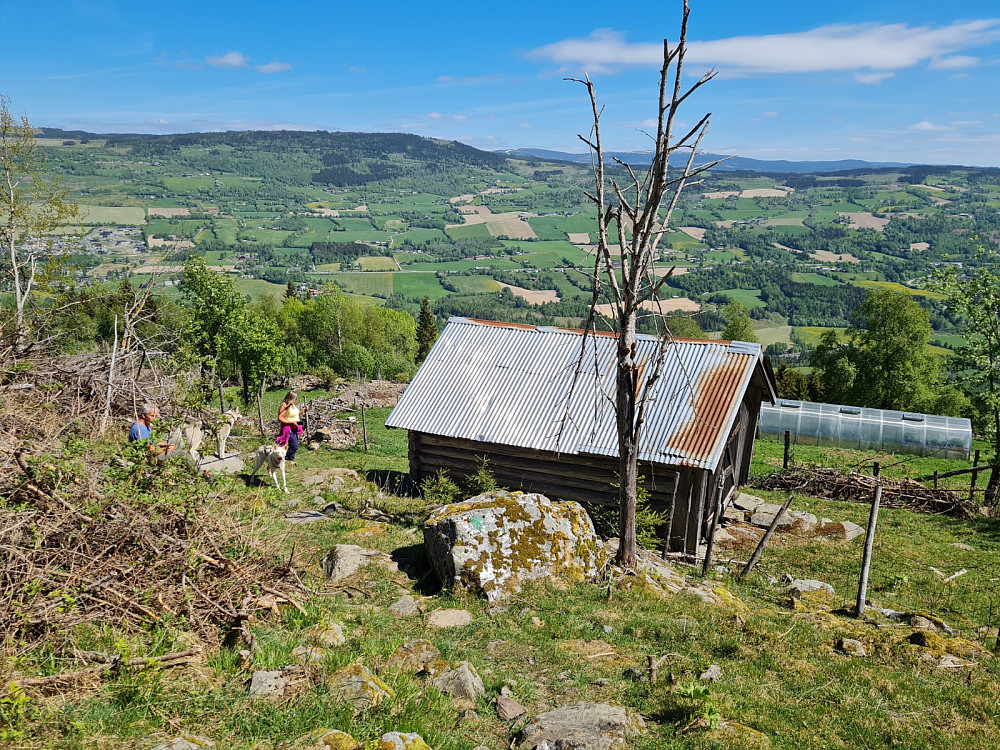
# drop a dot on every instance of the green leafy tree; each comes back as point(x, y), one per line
point(684, 327)
point(427, 331)
point(975, 296)
point(290, 290)
point(738, 326)
point(31, 205)
point(250, 346)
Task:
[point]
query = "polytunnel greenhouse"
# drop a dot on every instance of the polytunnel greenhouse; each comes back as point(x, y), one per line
point(868, 429)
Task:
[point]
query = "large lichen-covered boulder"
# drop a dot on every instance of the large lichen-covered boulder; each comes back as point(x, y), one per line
point(490, 543)
point(356, 685)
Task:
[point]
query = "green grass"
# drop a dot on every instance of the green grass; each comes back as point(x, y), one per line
point(418, 285)
point(815, 278)
point(377, 263)
point(474, 284)
point(258, 288)
point(419, 235)
point(92, 215)
point(899, 289)
point(749, 298)
point(470, 230)
point(367, 284)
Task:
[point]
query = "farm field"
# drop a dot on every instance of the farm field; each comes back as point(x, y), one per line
point(92, 215)
point(749, 298)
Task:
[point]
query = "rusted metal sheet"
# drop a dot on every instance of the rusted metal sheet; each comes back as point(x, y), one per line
point(530, 387)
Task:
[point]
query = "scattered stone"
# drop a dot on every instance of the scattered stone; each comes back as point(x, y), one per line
point(345, 560)
point(803, 522)
point(803, 586)
point(746, 501)
point(413, 656)
point(460, 681)
point(492, 542)
point(402, 741)
point(470, 716)
point(966, 547)
point(850, 647)
point(405, 606)
point(356, 685)
point(185, 742)
point(313, 446)
point(326, 635)
point(723, 535)
point(764, 514)
point(449, 618)
point(293, 503)
point(584, 726)
point(948, 661)
point(322, 739)
point(933, 624)
point(602, 682)
point(300, 517)
point(732, 514)
point(713, 673)
point(331, 508)
point(307, 654)
point(607, 629)
point(837, 530)
point(509, 709)
point(313, 479)
point(232, 464)
point(635, 674)
point(275, 683)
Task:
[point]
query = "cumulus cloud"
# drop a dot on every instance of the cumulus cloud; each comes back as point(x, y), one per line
point(229, 60)
point(273, 67)
point(837, 47)
point(435, 115)
point(955, 61)
point(927, 126)
point(872, 79)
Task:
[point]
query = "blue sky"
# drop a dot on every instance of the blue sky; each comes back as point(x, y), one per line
point(911, 80)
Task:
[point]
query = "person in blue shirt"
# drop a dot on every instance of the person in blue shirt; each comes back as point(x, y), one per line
point(143, 429)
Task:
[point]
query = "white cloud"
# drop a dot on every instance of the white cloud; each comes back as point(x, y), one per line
point(435, 115)
point(928, 126)
point(954, 61)
point(772, 113)
point(966, 123)
point(868, 46)
point(229, 60)
point(273, 67)
point(872, 78)
point(459, 116)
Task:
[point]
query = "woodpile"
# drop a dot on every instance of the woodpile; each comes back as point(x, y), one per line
point(859, 488)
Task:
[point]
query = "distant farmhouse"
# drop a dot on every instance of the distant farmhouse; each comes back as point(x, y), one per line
point(511, 393)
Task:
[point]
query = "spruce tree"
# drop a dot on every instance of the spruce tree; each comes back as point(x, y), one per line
point(427, 331)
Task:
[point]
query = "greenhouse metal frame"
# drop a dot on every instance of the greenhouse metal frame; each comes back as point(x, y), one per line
point(841, 426)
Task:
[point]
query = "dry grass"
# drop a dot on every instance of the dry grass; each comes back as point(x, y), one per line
point(534, 296)
point(579, 238)
point(666, 305)
point(865, 220)
point(168, 212)
point(696, 232)
point(827, 257)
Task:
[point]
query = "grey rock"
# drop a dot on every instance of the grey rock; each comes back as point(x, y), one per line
point(326, 635)
point(449, 618)
point(845, 530)
point(608, 630)
point(356, 685)
point(345, 560)
point(932, 624)
point(270, 683)
point(185, 742)
point(405, 606)
point(961, 546)
point(293, 503)
point(723, 535)
point(413, 656)
point(460, 681)
point(763, 516)
point(602, 682)
point(713, 673)
point(803, 586)
point(581, 726)
point(323, 435)
point(301, 517)
point(747, 502)
point(492, 542)
point(636, 674)
point(331, 509)
point(313, 446)
point(732, 514)
point(232, 464)
point(307, 654)
point(850, 647)
point(509, 709)
point(470, 716)
point(313, 479)
point(402, 741)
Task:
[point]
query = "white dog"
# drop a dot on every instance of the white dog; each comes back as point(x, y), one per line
point(273, 458)
point(193, 435)
point(224, 426)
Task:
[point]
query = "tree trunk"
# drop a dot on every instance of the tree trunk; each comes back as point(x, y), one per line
point(628, 446)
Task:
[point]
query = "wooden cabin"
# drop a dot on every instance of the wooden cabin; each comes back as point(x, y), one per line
point(538, 403)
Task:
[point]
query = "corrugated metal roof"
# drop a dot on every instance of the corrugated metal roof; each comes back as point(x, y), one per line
point(514, 385)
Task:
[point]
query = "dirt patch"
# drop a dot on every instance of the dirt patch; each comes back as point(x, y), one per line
point(467, 198)
point(664, 270)
point(783, 223)
point(919, 246)
point(534, 296)
point(725, 223)
point(721, 194)
point(326, 212)
point(786, 247)
point(827, 257)
point(515, 228)
point(178, 244)
point(696, 232)
point(865, 220)
point(579, 238)
point(169, 213)
point(779, 192)
point(666, 305)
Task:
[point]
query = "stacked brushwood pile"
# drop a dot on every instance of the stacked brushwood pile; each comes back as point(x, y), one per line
point(71, 555)
point(859, 488)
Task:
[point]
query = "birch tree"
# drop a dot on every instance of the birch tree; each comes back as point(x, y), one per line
point(30, 207)
point(633, 213)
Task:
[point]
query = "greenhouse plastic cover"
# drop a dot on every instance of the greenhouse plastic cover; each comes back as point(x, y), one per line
point(868, 429)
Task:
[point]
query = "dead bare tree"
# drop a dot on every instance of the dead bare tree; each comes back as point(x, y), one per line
point(639, 209)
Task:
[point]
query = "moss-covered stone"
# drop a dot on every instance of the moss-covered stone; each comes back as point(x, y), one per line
point(322, 739)
point(941, 645)
point(402, 741)
point(356, 685)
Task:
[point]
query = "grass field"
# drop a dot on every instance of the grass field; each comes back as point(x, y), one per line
point(815, 278)
point(749, 298)
point(774, 335)
point(91, 215)
point(469, 230)
point(376, 263)
point(474, 284)
point(256, 288)
point(899, 289)
point(418, 285)
point(367, 284)
point(419, 235)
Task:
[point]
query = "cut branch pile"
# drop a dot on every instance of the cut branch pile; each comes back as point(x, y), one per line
point(859, 488)
point(69, 556)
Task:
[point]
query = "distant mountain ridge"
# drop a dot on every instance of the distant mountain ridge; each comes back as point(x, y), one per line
point(732, 164)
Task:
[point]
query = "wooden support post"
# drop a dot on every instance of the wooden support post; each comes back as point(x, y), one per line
point(670, 519)
point(866, 560)
point(788, 442)
point(711, 531)
point(972, 483)
point(875, 468)
point(936, 478)
point(767, 535)
point(364, 427)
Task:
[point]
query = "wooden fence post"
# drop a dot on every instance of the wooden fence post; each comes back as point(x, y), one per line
point(866, 560)
point(788, 441)
point(975, 476)
point(364, 426)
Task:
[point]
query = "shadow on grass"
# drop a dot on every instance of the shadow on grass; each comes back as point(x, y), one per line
point(395, 482)
point(412, 560)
